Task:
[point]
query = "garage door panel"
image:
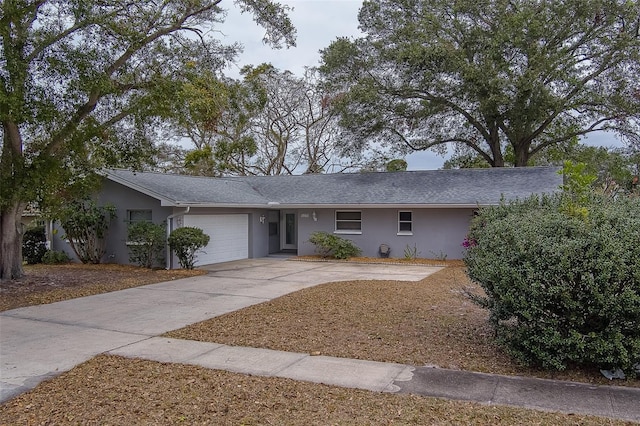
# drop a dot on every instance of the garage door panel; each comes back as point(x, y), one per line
point(229, 237)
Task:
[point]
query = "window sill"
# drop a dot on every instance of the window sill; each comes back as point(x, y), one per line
point(348, 232)
point(404, 233)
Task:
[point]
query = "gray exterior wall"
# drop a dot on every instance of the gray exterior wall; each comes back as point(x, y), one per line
point(127, 199)
point(436, 232)
point(124, 199)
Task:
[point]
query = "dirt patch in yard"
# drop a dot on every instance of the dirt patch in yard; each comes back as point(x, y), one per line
point(119, 391)
point(54, 283)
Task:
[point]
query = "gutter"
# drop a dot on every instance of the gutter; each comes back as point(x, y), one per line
point(169, 223)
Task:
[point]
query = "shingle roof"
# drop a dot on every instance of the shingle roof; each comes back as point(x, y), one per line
point(180, 189)
point(430, 187)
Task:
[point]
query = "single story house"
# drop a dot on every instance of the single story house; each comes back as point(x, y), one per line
point(254, 216)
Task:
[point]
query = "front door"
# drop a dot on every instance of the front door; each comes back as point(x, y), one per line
point(289, 234)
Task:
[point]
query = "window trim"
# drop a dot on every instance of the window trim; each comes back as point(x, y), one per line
point(410, 222)
point(347, 231)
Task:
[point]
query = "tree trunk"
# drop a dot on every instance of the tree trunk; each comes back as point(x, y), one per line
point(521, 153)
point(11, 241)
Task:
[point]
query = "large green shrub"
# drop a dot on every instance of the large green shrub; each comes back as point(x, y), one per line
point(186, 242)
point(561, 288)
point(34, 245)
point(333, 245)
point(146, 242)
point(85, 225)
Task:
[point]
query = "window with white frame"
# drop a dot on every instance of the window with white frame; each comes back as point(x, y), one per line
point(348, 222)
point(134, 216)
point(405, 223)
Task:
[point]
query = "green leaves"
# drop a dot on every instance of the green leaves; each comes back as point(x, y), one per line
point(561, 291)
point(85, 225)
point(488, 75)
point(577, 189)
point(146, 242)
point(186, 242)
point(332, 245)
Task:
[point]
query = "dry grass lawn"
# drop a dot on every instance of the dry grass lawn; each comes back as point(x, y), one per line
point(426, 322)
point(429, 322)
point(118, 391)
point(54, 283)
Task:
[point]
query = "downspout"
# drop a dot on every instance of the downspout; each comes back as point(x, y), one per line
point(169, 223)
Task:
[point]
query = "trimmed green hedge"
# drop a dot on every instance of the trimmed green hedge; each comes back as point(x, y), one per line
point(186, 242)
point(146, 242)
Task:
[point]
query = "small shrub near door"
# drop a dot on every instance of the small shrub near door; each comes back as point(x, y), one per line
point(331, 245)
point(186, 242)
point(146, 242)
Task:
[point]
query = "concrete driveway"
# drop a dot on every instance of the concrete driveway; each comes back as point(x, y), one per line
point(43, 341)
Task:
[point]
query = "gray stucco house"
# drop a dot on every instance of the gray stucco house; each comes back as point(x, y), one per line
point(254, 216)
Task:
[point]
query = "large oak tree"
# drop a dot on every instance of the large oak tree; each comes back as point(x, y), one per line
point(79, 79)
point(484, 75)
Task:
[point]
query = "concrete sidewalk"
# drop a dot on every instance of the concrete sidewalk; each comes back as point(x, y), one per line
point(39, 342)
point(548, 395)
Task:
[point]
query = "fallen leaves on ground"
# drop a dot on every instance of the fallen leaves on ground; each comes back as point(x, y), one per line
point(54, 283)
point(119, 391)
point(428, 322)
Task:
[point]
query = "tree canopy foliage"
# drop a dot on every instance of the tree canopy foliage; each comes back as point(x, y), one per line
point(81, 81)
point(489, 74)
point(271, 122)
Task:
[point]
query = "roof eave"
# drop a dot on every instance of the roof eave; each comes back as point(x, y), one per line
point(164, 201)
point(221, 205)
point(280, 206)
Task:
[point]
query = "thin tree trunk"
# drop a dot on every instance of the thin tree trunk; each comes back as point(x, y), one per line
point(11, 241)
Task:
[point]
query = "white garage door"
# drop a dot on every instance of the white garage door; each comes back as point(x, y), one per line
point(229, 237)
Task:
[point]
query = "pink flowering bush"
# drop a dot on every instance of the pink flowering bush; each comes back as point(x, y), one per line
point(468, 242)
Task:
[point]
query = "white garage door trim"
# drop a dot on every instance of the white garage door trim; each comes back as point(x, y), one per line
point(229, 237)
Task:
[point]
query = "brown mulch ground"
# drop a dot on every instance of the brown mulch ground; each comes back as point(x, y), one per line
point(54, 283)
point(426, 322)
point(118, 391)
point(430, 322)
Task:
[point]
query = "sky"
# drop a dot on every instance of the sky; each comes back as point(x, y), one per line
point(318, 23)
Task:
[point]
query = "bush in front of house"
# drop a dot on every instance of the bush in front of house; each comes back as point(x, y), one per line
point(34, 245)
point(146, 242)
point(85, 225)
point(186, 242)
point(329, 245)
point(562, 288)
point(53, 257)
